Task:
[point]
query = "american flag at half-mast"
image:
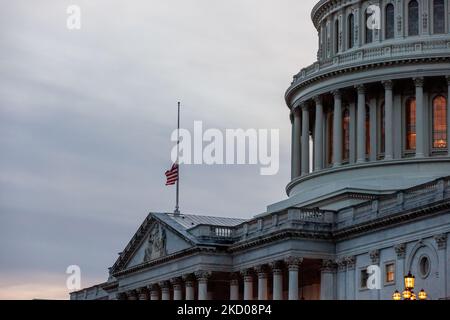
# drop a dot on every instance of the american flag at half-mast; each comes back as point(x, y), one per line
point(172, 175)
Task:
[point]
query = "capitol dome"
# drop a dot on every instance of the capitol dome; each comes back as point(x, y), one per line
point(371, 115)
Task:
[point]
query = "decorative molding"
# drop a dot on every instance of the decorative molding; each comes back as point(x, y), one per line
point(400, 250)
point(375, 256)
point(441, 241)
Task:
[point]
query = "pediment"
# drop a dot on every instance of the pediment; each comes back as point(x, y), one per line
point(158, 242)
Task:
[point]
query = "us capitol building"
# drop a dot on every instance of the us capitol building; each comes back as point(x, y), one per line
point(375, 107)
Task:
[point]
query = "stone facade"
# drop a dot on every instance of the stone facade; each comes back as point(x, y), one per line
point(376, 107)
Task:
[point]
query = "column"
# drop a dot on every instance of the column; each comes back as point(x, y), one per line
point(177, 289)
point(202, 279)
point(293, 264)
point(277, 280)
point(352, 107)
point(448, 116)
point(361, 125)
point(350, 291)
point(132, 295)
point(189, 283)
point(373, 153)
point(318, 135)
point(341, 279)
point(154, 292)
point(337, 129)
point(234, 287)
point(420, 129)
point(305, 140)
point(262, 282)
point(441, 242)
point(388, 124)
point(248, 284)
point(327, 280)
point(165, 290)
point(400, 250)
point(296, 144)
point(142, 294)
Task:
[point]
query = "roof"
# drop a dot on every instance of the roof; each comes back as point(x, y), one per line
point(190, 221)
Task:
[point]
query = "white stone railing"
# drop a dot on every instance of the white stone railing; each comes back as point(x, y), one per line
point(383, 51)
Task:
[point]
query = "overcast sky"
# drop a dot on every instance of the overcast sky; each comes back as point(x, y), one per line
point(86, 118)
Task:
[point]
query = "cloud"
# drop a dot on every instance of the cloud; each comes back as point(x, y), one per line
point(86, 118)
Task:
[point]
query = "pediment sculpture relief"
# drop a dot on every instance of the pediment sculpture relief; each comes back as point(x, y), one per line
point(156, 244)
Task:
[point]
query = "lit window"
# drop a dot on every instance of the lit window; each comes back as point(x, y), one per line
point(410, 114)
point(390, 273)
point(440, 139)
point(438, 16)
point(351, 31)
point(390, 23)
point(413, 18)
point(346, 134)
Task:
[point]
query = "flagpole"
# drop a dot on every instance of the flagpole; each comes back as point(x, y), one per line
point(177, 206)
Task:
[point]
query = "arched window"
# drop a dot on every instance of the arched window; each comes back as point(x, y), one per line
point(351, 30)
point(336, 36)
point(346, 134)
point(367, 130)
point(438, 16)
point(369, 32)
point(390, 21)
point(440, 139)
point(382, 128)
point(330, 137)
point(410, 121)
point(413, 18)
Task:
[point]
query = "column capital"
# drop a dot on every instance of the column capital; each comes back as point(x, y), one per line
point(121, 296)
point(261, 270)
point(202, 275)
point(441, 241)
point(328, 266)
point(375, 256)
point(351, 262)
point(418, 82)
point(400, 250)
point(248, 274)
point(360, 88)
point(293, 262)
point(387, 84)
point(131, 295)
point(317, 100)
point(341, 264)
point(177, 281)
point(336, 94)
point(142, 293)
point(188, 278)
point(304, 106)
point(164, 284)
point(153, 287)
point(296, 111)
point(276, 266)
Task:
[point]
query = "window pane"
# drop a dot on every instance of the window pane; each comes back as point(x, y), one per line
point(351, 31)
point(390, 21)
point(390, 273)
point(410, 113)
point(440, 138)
point(438, 16)
point(369, 32)
point(413, 18)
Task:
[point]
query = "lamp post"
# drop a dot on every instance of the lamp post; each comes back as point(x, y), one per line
point(408, 293)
